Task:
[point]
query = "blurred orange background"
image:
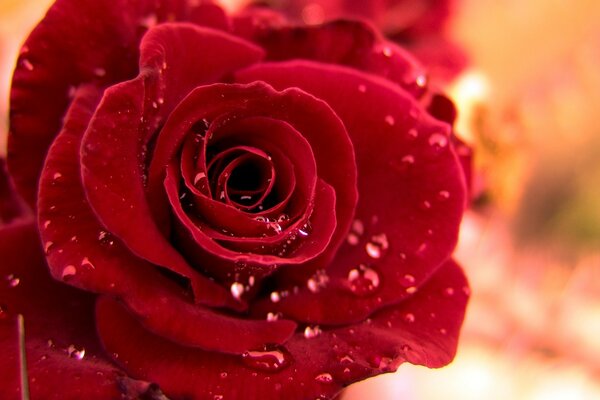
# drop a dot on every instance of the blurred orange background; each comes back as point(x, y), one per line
point(529, 104)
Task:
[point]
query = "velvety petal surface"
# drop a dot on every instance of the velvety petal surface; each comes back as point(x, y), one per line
point(349, 43)
point(81, 252)
point(422, 330)
point(412, 194)
point(79, 42)
point(64, 358)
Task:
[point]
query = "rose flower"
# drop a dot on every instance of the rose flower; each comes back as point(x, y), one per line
point(252, 209)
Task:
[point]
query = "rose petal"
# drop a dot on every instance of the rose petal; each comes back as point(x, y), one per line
point(350, 43)
point(311, 367)
point(412, 192)
point(64, 357)
point(80, 251)
point(56, 58)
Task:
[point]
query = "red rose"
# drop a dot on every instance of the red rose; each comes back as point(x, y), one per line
point(263, 210)
point(419, 25)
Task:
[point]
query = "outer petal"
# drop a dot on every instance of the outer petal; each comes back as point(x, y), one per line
point(353, 44)
point(78, 42)
point(64, 358)
point(423, 330)
point(411, 185)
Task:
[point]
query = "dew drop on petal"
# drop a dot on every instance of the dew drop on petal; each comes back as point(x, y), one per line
point(409, 317)
point(387, 51)
point(352, 239)
point(13, 281)
point(408, 159)
point(438, 140)
point(408, 280)
point(275, 297)
point(390, 120)
point(411, 290)
point(377, 245)
point(312, 331)
point(449, 292)
point(68, 272)
point(362, 88)
point(443, 195)
point(363, 280)
point(271, 358)
point(273, 316)
point(318, 281)
point(421, 80)
point(413, 133)
point(237, 290)
point(443, 331)
point(48, 246)
point(86, 263)
point(76, 353)
point(27, 64)
point(324, 378)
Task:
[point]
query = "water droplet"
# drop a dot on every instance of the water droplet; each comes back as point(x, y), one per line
point(275, 297)
point(358, 227)
point(273, 316)
point(352, 239)
point(148, 21)
point(57, 175)
point(48, 246)
point(99, 72)
point(271, 358)
point(408, 280)
point(161, 100)
point(438, 140)
point(306, 229)
point(237, 290)
point(324, 378)
point(409, 317)
point(390, 120)
point(312, 331)
point(218, 397)
point(411, 289)
point(387, 51)
point(362, 88)
point(68, 272)
point(363, 280)
point(425, 205)
point(223, 375)
point(251, 280)
point(408, 159)
point(377, 245)
point(449, 292)
point(413, 133)
point(13, 281)
point(466, 290)
point(154, 104)
point(76, 353)
point(47, 224)
point(421, 81)
point(86, 263)
point(347, 359)
point(318, 281)
point(443, 195)
point(443, 331)
point(27, 64)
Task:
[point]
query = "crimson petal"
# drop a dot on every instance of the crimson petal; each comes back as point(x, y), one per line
point(64, 357)
point(412, 192)
point(56, 58)
point(80, 251)
point(423, 330)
